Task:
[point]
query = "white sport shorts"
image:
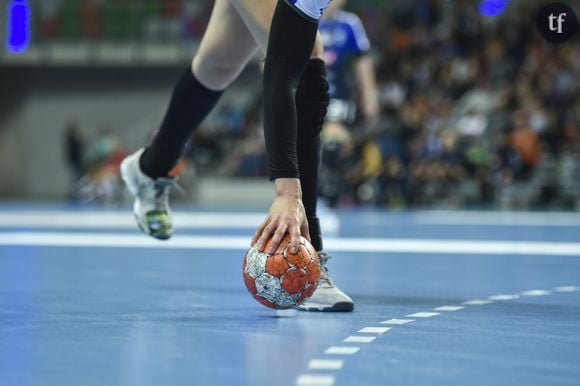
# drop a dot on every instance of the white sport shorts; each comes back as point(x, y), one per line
point(312, 9)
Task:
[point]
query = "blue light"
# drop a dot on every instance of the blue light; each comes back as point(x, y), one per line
point(492, 7)
point(18, 25)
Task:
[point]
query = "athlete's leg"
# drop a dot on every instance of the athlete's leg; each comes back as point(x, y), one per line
point(311, 105)
point(226, 47)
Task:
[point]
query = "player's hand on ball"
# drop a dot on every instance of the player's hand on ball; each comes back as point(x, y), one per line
point(286, 215)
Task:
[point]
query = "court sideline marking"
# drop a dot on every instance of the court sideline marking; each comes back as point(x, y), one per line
point(353, 245)
point(328, 379)
point(243, 220)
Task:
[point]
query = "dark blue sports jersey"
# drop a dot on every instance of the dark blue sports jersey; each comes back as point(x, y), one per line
point(344, 37)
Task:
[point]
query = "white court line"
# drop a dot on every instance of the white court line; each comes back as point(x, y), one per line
point(374, 330)
point(353, 245)
point(342, 350)
point(535, 292)
point(477, 302)
point(322, 364)
point(464, 247)
point(449, 308)
point(504, 297)
point(567, 288)
point(116, 240)
point(398, 321)
point(122, 219)
point(315, 380)
point(325, 364)
point(423, 315)
point(523, 219)
point(359, 339)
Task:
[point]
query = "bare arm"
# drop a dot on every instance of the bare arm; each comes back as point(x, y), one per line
point(365, 76)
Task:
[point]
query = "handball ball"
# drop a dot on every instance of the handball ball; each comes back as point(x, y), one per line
point(282, 279)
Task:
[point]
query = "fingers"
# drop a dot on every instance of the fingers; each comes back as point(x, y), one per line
point(286, 216)
point(256, 237)
point(263, 235)
point(271, 234)
point(275, 242)
point(294, 239)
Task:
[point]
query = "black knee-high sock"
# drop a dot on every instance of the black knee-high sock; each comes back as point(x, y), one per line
point(311, 105)
point(190, 103)
point(309, 163)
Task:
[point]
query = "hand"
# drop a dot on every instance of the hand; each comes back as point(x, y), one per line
point(286, 215)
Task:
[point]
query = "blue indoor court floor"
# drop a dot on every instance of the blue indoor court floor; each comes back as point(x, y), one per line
point(442, 298)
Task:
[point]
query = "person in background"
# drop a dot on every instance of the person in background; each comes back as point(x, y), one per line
point(74, 146)
point(346, 53)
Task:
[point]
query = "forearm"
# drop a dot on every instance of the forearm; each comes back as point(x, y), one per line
point(289, 48)
point(367, 86)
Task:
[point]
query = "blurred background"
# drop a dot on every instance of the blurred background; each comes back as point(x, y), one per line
point(475, 109)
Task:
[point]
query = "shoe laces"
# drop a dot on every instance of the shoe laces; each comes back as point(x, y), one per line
point(325, 280)
point(159, 194)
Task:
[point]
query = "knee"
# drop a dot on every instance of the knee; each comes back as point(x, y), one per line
point(215, 72)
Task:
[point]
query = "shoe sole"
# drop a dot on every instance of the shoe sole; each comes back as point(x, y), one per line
point(338, 307)
point(162, 238)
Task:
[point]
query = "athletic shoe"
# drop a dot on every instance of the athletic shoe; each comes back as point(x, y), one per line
point(327, 297)
point(151, 206)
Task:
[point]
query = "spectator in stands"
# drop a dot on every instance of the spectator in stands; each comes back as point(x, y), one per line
point(75, 144)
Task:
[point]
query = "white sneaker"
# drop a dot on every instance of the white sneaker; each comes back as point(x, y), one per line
point(151, 206)
point(327, 297)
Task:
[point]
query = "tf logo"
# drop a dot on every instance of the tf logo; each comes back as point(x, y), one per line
point(556, 22)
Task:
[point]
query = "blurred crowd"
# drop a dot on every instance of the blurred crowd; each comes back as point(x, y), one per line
point(484, 111)
point(119, 20)
point(94, 164)
point(478, 111)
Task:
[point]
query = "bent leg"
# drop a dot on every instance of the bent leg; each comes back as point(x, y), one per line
point(225, 49)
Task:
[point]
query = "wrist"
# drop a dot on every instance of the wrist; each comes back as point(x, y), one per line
point(288, 187)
